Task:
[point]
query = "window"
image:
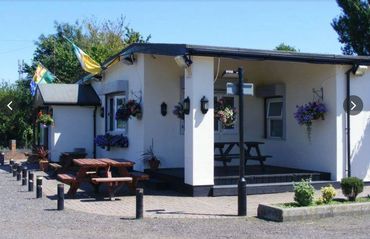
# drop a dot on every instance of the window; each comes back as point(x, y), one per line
point(229, 101)
point(114, 103)
point(274, 118)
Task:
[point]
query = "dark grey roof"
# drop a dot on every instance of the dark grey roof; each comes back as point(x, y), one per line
point(239, 53)
point(66, 94)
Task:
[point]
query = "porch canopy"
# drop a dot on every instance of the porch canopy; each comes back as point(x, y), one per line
point(66, 94)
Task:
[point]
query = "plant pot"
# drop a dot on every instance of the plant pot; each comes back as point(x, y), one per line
point(43, 164)
point(154, 164)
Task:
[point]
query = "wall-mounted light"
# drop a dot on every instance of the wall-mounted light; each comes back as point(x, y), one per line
point(204, 105)
point(186, 105)
point(183, 61)
point(359, 70)
point(128, 59)
point(163, 109)
point(102, 112)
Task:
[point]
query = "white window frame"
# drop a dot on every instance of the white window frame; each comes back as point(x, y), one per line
point(220, 129)
point(115, 98)
point(270, 118)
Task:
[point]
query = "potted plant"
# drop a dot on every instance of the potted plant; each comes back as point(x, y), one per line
point(135, 109)
point(44, 119)
point(42, 155)
point(305, 114)
point(179, 111)
point(149, 157)
point(225, 113)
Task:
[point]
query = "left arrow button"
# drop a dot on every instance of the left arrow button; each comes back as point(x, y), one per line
point(9, 105)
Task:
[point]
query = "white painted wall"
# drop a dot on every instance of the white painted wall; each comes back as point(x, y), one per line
point(360, 127)
point(199, 140)
point(162, 84)
point(134, 74)
point(73, 128)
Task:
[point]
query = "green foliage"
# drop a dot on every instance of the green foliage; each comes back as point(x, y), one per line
point(351, 187)
point(328, 193)
point(13, 124)
point(303, 193)
point(285, 47)
point(353, 26)
point(100, 40)
point(45, 119)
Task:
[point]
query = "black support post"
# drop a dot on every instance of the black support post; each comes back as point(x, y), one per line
point(24, 176)
point(139, 203)
point(15, 166)
point(11, 164)
point(39, 187)
point(19, 171)
point(348, 120)
point(60, 197)
point(242, 184)
point(30, 181)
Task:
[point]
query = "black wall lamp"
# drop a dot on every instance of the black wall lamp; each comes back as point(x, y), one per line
point(102, 112)
point(204, 105)
point(186, 105)
point(164, 109)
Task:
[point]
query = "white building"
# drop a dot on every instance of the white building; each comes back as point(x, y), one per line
point(150, 74)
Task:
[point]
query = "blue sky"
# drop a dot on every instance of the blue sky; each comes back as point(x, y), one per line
point(249, 24)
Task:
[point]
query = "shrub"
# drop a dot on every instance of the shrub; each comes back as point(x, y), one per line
point(320, 201)
point(303, 193)
point(328, 193)
point(351, 187)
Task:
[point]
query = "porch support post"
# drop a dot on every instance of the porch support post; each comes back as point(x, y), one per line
point(199, 127)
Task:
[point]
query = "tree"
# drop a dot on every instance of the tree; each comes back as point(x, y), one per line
point(99, 40)
point(285, 47)
point(353, 26)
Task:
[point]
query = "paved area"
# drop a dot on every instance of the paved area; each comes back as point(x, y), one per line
point(24, 216)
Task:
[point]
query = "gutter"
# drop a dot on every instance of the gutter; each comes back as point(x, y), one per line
point(348, 118)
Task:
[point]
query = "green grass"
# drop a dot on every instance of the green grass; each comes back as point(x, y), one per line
point(336, 201)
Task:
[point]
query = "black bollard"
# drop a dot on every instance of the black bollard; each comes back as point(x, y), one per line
point(60, 196)
point(39, 187)
point(139, 203)
point(15, 166)
point(30, 181)
point(2, 158)
point(11, 163)
point(24, 176)
point(19, 170)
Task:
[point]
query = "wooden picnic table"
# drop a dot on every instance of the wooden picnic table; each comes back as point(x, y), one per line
point(98, 171)
point(226, 155)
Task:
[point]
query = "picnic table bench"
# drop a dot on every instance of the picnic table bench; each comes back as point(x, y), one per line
point(225, 149)
point(98, 171)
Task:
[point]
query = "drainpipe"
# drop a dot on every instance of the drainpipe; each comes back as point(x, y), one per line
point(348, 115)
point(94, 120)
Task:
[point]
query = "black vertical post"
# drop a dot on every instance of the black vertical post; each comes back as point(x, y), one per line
point(19, 171)
point(60, 196)
point(30, 181)
point(39, 187)
point(24, 176)
point(2, 158)
point(139, 203)
point(15, 167)
point(11, 164)
point(242, 184)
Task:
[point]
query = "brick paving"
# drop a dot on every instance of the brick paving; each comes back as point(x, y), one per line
point(168, 204)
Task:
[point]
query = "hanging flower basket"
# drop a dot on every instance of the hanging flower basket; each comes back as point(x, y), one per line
point(225, 113)
point(131, 108)
point(44, 119)
point(179, 111)
point(305, 114)
point(107, 141)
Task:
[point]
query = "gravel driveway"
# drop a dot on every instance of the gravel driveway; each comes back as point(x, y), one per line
point(23, 216)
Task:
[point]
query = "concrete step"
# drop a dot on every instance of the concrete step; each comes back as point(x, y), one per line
point(262, 188)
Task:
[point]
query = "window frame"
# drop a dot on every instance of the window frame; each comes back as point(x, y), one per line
point(111, 115)
point(268, 118)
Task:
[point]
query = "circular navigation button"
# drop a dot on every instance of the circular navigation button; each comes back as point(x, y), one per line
point(355, 105)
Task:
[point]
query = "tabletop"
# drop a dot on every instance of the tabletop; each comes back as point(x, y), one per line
point(89, 163)
point(115, 163)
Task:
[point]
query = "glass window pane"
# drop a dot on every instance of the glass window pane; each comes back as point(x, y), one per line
point(275, 109)
point(215, 120)
point(111, 114)
point(276, 128)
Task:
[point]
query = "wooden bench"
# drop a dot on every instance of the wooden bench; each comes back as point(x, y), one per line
point(67, 178)
point(226, 158)
point(114, 183)
point(55, 167)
